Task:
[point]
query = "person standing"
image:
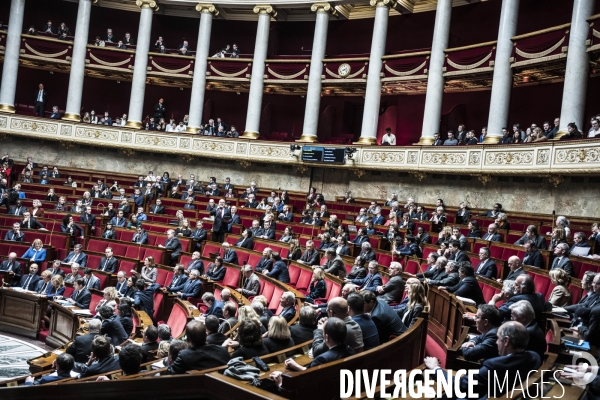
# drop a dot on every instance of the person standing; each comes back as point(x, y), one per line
point(40, 101)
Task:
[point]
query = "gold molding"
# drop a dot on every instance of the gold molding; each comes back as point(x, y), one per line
point(383, 3)
point(265, 9)
point(152, 4)
point(491, 139)
point(367, 140)
point(207, 8)
point(425, 141)
point(556, 180)
point(134, 124)
point(250, 135)
point(192, 129)
point(308, 139)
point(560, 134)
point(536, 33)
point(473, 46)
point(7, 108)
point(72, 117)
point(484, 178)
point(245, 164)
point(323, 8)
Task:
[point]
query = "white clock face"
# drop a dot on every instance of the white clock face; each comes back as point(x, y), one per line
point(344, 70)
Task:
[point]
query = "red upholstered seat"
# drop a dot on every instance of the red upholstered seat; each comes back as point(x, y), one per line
point(93, 261)
point(177, 320)
point(231, 240)
point(433, 349)
point(68, 291)
point(126, 236)
point(253, 259)
point(133, 251)
point(575, 293)
point(126, 266)
point(384, 259)
point(412, 267)
point(232, 277)
point(304, 279)
point(267, 290)
point(495, 251)
point(155, 253)
point(542, 283)
point(158, 300)
point(96, 245)
point(274, 303)
point(384, 279)
point(427, 251)
point(119, 249)
point(209, 249)
point(94, 302)
point(103, 279)
point(488, 291)
point(161, 276)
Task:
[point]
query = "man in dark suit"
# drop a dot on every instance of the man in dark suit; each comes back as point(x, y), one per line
point(385, 318)
point(199, 355)
point(229, 255)
point(103, 360)
point(533, 257)
point(393, 290)
point(140, 237)
point(28, 222)
point(55, 113)
point(378, 219)
point(562, 261)
point(449, 278)
point(200, 234)
point(90, 281)
point(487, 321)
point(486, 267)
point(63, 364)
point(159, 110)
point(109, 263)
point(436, 140)
point(334, 265)
point(214, 306)
point(192, 287)
point(81, 347)
point(128, 40)
point(222, 217)
point(523, 312)
point(457, 255)
point(30, 281)
point(366, 252)
point(280, 269)
point(285, 215)
point(121, 285)
point(514, 265)
point(172, 243)
point(531, 234)
point(143, 298)
point(56, 269)
point(580, 311)
point(525, 290)
point(311, 255)
point(492, 234)
point(196, 263)
point(212, 330)
point(178, 281)
point(18, 208)
point(157, 208)
point(227, 185)
point(12, 268)
point(41, 97)
point(288, 304)
point(150, 338)
point(369, 282)
point(307, 322)
point(513, 363)
point(361, 237)
point(76, 256)
point(81, 297)
point(467, 286)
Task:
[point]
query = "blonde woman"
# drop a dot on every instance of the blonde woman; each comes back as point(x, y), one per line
point(439, 217)
point(561, 295)
point(393, 218)
point(36, 253)
point(417, 303)
point(445, 235)
point(558, 236)
point(539, 135)
point(279, 336)
point(37, 211)
point(317, 288)
point(109, 298)
point(295, 250)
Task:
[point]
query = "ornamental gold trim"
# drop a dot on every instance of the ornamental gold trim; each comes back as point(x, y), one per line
point(383, 3)
point(265, 9)
point(207, 8)
point(323, 8)
point(151, 4)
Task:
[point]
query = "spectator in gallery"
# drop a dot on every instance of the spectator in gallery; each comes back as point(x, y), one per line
point(451, 141)
point(389, 139)
point(506, 138)
point(436, 140)
point(483, 134)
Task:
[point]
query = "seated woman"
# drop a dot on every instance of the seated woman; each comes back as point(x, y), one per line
point(501, 221)
point(560, 295)
point(250, 341)
point(295, 250)
point(133, 222)
point(149, 272)
point(51, 286)
point(474, 231)
point(317, 288)
point(262, 205)
point(417, 302)
point(407, 224)
point(109, 298)
point(288, 235)
point(37, 211)
point(87, 199)
point(463, 214)
point(391, 219)
point(69, 226)
point(439, 217)
point(558, 236)
point(109, 232)
point(36, 253)
point(245, 241)
point(109, 211)
point(216, 271)
point(445, 235)
point(279, 335)
point(391, 236)
point(51, 196)
point(184, 229)
point(325, 241)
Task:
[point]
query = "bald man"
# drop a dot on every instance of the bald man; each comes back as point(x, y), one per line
point(516, 269)
point(338, 307)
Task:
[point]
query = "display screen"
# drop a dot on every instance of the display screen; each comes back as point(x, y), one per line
point(329, 155)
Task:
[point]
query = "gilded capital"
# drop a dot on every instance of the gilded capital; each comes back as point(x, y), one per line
point(323, 7)
point(382, 3)
point(153, 5)
point(207, 8)
point(265, 9)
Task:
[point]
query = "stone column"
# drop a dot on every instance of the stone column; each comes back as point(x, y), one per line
point(265, 12)
point(138, 84)
point(8, 87)
point(503, 76)
point(368, 132)
point(313, 95)
point(207, 12)
point(435, 77)
point(78, 61)
point(577, 72)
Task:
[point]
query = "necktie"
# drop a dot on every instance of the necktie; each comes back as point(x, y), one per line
point(10, 267)
point(175, 281)
point(104, 266)
point(41, 96)
point(75, 295)
point(72, 259)
point(26, 284)
point(367, 281)
point(44, 286)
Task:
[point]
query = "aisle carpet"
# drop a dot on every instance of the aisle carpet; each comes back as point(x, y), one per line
point(14, 354)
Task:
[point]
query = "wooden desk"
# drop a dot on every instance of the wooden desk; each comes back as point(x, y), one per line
point(64, 325)
point(21, 312)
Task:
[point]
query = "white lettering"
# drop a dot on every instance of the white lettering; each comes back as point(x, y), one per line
point(444, 383)
point(517, 378)
point(457, 376)
point(400, 383)
point(412, 385)
point(561, 385)
point(473, 383)
point(370, 384)
point(428, 384)
point(346, 383)
point(534, 384)
point(497, 384)
point(357, 383)
point(384, 382)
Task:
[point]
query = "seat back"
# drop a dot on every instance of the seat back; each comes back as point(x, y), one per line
point(232, 277)
point(304, 279)
point(177, 320)
point(274, 303)
point(94, 302)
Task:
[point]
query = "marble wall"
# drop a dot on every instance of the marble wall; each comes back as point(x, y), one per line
point(576, 196)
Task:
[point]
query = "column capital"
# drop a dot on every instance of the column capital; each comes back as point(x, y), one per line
point(153, 5)
point(323, 7)
point(383, 3)
point(207, 8)
point(265, 9)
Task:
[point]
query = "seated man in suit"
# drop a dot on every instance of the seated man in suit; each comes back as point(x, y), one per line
point(196, 263)
point(338, 308)
point(55, 113)
point(513, 363)
point(334, 332)
point(385, 318)
point(108, 263)
point(533, 257)
point(334, 265)
point(192, 287)
point(199, 355)
point(119, 220)
point(515, 267)
point(212, 331)
point(450, 278)
point(76, 256)
point(393, 290)
point(178, 281)
point(486, 266)
point(18, 208)
point(214, 306)
point(149, 337)
point(492, 234)
point(140, 236)
point(229, 255)
point(63, 364)
point(15, 234)
point(199, 233)
point(288, 304)
point(361, 237)
point(487, 321)
point(366, 252)
point(28, 222)
point(467, 287)
point(579, 240)
point(524, 289)
point(532, 234)
point(137, 198)
point(13, 269)
point(81, 297)
point(30, 281)
point(104, 359)
point(562, 261)
point(91, 281)
point(456, 254)
point(522, 311)
point(280, 269)
point(143, 297)
point(371, 281)
point(311, 255)
point(285, 215)
point(157, 208)
point(172, 243)
point(81, 347)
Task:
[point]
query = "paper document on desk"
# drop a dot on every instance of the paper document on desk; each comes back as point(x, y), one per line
point(580, 251)
point(82, 312)
point(158, 365)
point(466, 301)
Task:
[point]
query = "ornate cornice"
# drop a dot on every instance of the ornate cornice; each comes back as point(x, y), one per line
point(265, 9)
point(152, 4)
point(383, 3)
point(207, 8)
point(551, 158)
point(323, 7)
